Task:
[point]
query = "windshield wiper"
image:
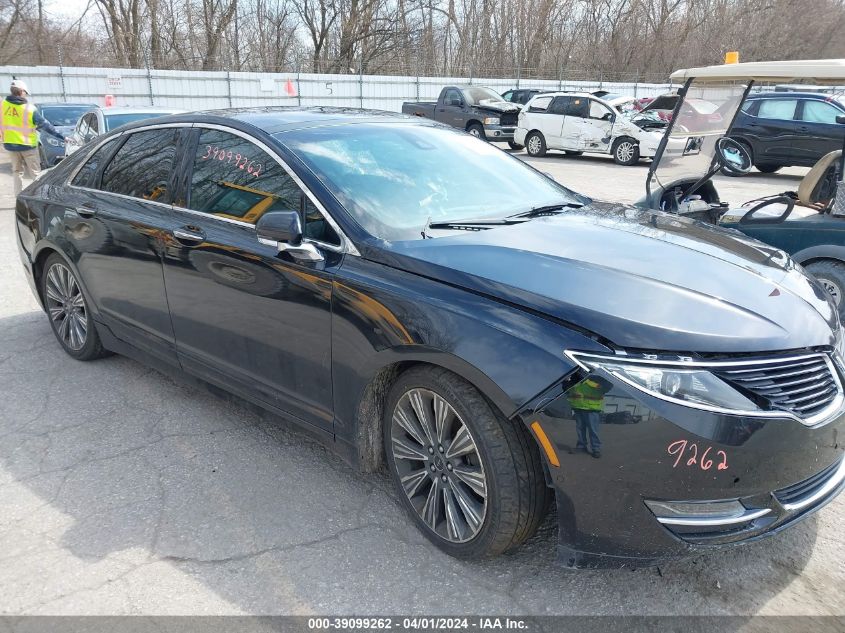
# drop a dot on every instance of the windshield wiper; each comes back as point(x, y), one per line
point(473, 225)
point(548, 209)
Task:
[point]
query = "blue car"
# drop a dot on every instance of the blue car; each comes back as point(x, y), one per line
point(63, 117)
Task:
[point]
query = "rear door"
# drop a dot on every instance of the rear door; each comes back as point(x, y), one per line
point(546, 114)
point(819, 133)
point(576, 124)
point(245, 316)
point(773, 130)
point(117, 206)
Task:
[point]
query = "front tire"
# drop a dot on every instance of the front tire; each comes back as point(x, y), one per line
point(477, 130)
point(67, 309)
point(626, 151)
point(830, 274)
point(535, 144)
point(471, 480)
point(767, 169)
point(515, 146)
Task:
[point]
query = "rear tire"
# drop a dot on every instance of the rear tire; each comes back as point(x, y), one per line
point(626, 151)
point(477, 130)
point(67, 310)
point(535, 144)
point(830, 273)
point(471, 479)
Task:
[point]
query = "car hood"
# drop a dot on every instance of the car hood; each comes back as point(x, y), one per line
point(640, 279)
point(498, 106)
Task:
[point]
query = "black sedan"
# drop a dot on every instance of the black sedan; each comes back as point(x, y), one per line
point(423, 301)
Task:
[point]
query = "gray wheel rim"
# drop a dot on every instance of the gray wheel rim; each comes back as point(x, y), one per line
point(66, 307)
point(625, 151)
point(832, 289)
point(439, 465)
point(534, 144)
point(474, 131)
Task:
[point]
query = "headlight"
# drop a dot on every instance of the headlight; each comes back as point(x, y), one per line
point(54, 142)
point(491, 120)
point(697, 388)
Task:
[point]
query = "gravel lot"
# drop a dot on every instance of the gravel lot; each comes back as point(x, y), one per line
point(122, 492)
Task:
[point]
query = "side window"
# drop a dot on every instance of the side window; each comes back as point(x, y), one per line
point(598, 111)
point(578, 107)
point(509, 95)
point(94, 125)
point(87, 175)
point(453, 97)
point(819, 112)
point(233, 178)
point(142, 167)
point(559, 105)
point(783, 109)
point(540, 104)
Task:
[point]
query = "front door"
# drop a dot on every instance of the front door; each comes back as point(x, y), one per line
point(819, 133)
point(245, 316)
point(597, 128)
point(451, 111)
point(116, 208)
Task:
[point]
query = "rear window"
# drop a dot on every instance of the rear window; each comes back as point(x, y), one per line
point(143, 166)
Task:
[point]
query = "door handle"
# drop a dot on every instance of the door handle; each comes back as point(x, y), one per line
point(189, 234)
point(85, 211)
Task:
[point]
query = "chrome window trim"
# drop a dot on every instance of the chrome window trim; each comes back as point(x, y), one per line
point(836, 406)
point(346, 245)
point(832, 483)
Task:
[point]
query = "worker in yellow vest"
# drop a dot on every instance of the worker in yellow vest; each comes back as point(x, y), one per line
point(587, 400)
point(20, 124)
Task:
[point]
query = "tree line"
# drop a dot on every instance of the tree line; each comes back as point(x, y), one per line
point(617, 39)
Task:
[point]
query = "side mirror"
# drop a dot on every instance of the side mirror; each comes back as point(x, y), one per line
point(840, 118)
point(283, 229)
point(456, 102)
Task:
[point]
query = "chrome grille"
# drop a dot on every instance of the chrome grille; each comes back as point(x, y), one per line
point(803, 385)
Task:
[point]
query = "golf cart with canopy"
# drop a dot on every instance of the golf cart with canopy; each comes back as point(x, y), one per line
point(808, 223)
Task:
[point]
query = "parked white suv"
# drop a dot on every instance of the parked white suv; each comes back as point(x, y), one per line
point(580, 122)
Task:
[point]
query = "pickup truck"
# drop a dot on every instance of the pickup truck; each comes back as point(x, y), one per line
point(480, 111)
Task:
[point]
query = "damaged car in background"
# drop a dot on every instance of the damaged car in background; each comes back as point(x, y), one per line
point(579, 122)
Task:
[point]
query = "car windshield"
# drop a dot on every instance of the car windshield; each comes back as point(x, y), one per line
point(397, 178)
point(477, 94)
point(63, 116)
point(703, 119)
point(116, 120)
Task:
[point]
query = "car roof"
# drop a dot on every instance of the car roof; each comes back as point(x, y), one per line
point(62, 104)
point(275, 119)
point(135, 110)
point(788, 94)
point(820, 71)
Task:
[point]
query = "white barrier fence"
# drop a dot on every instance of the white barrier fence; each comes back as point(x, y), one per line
point(196, 90)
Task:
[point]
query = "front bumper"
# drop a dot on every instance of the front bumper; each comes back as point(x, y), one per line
point(499, 132)
point(778, 469)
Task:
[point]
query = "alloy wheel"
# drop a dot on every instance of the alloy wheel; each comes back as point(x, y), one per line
point(625, 151)
point(66, 307)
point(832, 289)
point(534, 144)
point(439, 465)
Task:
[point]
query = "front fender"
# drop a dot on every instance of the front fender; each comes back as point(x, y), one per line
point(822, 251)
point(383, 316)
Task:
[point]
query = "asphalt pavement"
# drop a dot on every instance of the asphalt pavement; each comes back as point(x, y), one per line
point(124, 492)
